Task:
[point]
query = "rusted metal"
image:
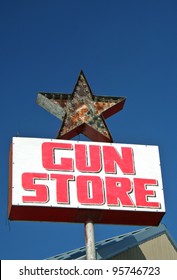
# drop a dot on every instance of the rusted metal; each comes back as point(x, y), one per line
point(90, 240)
point(81, 111)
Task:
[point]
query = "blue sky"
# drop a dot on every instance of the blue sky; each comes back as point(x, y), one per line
point(125, 48)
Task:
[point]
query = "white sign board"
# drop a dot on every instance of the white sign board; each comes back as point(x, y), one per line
point(70, 181)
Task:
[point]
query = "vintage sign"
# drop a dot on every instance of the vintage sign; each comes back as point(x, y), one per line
point(69, 181)
point(81, 111)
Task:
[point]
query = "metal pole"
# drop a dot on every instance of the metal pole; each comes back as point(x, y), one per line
point(90, 240)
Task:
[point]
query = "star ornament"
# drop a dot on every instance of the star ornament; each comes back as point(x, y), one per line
point(81, 111)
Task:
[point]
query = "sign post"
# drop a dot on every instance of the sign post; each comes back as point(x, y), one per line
point(90, 240)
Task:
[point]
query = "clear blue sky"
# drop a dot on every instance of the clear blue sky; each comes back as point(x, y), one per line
point(125, 48)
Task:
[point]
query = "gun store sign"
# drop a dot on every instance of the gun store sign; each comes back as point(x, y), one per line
point(72, 181)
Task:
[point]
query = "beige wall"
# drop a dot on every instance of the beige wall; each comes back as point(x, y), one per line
point(159, 248)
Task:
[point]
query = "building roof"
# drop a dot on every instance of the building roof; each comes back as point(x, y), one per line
point(108, 248)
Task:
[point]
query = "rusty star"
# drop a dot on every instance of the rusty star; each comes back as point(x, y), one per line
point(81, 111)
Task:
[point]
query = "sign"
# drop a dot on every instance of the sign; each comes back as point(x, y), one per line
point(70, 181)
point(81, 111)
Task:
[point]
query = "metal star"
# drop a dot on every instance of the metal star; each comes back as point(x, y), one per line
point(81, 111)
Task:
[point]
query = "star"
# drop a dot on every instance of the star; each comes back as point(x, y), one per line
point(81, 111)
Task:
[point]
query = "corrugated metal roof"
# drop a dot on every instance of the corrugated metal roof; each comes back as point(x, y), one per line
point(109, 247)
